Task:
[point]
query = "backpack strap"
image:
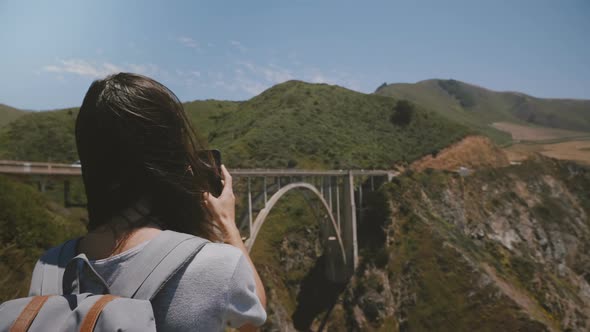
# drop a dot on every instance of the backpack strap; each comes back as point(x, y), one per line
point(26, 317)
point(91, 317)
point(159, 261)
point(50, 268)
point(80, 277)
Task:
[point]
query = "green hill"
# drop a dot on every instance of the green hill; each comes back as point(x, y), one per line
point(294, 124)
point(29, 224)
point(297, 124)
point(205, 114)
point(40, 136)
point(477, 107)
point(9, 114)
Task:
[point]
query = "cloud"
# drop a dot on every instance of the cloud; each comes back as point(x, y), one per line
point(83, 68)
point(344, 79)
point(188, 42)
point(145, 69)
point(270, 73)
point(238, 45)
point(91, 69)
point(253, 78)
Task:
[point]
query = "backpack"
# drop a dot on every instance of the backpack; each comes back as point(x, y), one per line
point(69, 295)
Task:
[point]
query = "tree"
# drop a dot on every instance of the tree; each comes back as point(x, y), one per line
point(403, 112)
point(381, 86)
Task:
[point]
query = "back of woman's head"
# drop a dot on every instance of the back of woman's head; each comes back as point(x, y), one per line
point(136, 143)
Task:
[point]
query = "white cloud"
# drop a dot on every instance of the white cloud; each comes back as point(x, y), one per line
point(238, 45)
point(254, 78)
point(250, 86)
point(343, 79)
point(82, 68)
point(188, 42)
point(270, 73)
point(145, 69)
point(91, 69)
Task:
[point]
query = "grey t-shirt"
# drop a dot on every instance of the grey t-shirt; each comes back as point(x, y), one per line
point(214, 290)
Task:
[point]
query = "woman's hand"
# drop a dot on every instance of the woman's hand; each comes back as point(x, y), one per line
point(223, 210)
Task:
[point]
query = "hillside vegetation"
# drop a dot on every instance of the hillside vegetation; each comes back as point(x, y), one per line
point(505, 249)
point(30, 223)
point(40, 136)
point(478, 108)
point(297, 124)
point(9, 114)
point(294, 124)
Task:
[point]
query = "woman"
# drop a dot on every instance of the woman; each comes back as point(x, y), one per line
point(142, 175)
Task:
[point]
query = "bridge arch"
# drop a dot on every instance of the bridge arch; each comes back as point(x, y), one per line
point(261, 217)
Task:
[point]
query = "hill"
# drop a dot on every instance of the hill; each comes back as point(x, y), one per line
point(297, 124)
point(478, 107)
point(504, 249)
point(473, 152)
point(40, 136)
point(294, 124)
point(30, 223)
point(9, 114)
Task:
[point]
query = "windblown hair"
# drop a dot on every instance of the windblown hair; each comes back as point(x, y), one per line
point(136, 144)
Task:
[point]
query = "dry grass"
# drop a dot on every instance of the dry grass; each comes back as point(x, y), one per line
point(473, 152)
point(575, 150)
point(526, 133)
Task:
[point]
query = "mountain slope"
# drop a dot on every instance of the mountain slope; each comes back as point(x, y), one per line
point(504, 249)
point(40, 136)
point(9, 114)
point(478, 107)
point(294, 124)
point(29, 224)
point(297, 124)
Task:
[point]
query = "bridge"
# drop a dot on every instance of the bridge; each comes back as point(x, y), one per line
point(339, 192)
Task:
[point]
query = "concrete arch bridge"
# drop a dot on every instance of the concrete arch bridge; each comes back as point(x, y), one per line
point(340, 193)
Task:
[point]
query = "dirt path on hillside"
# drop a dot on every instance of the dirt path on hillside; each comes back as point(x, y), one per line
point(521, 298)
point(472, 152)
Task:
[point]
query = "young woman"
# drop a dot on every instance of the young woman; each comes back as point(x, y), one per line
point(142, 175)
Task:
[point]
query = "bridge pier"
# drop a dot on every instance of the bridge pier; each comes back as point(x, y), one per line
point(348, 227)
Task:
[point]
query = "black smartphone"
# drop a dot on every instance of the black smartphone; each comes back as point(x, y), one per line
point(212, 158)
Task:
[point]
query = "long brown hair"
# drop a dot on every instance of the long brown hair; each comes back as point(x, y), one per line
point(135, 143)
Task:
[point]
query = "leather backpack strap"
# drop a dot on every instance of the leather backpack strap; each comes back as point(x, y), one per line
point(26, 317)
point(91, 318)
point(171, 249)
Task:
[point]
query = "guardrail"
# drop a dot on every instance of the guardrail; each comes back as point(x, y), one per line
point(39, 168)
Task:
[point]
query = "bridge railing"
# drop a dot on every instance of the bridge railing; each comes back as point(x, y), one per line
point(38, 168)
point(47, 168)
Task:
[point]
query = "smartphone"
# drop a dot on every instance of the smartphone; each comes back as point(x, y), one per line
point(212, 158)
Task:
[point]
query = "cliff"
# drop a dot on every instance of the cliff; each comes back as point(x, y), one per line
point(503, 249)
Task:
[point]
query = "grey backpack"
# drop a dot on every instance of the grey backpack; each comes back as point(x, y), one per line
point(67, 294)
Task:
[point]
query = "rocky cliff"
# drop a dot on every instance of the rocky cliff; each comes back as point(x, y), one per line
point(505, 249)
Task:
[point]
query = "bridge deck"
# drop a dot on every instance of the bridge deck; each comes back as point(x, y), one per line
point(39, 168)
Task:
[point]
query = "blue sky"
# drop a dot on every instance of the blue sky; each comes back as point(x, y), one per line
point(52, 50)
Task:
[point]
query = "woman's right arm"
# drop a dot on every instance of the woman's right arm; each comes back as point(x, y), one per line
point(222, 210)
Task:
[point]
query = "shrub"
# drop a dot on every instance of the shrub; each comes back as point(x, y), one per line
point(403, 113)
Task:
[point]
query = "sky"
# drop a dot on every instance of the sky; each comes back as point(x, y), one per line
point(52, 50)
